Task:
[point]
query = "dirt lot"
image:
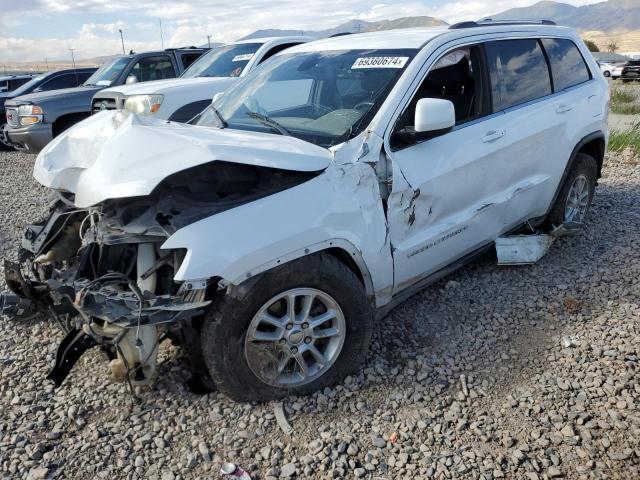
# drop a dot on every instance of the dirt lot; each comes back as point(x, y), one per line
point(495, 372)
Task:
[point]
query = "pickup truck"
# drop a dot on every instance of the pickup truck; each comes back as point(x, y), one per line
point(181, 99)
point(54, 80)
point(39, 117)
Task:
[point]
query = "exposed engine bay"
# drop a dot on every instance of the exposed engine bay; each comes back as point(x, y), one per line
point(101, 274)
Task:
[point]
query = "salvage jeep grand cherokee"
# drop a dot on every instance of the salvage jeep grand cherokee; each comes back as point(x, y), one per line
point(331, 183)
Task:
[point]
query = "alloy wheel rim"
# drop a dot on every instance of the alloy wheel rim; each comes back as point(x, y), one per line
point(295, 337)
point(577, 201)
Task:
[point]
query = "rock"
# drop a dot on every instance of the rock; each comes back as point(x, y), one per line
point(554, 472)
point(288, 470)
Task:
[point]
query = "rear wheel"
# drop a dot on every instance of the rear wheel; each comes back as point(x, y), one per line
point(298, 328)
point(574, 199)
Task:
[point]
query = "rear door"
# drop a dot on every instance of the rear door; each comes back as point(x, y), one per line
point(534, 119)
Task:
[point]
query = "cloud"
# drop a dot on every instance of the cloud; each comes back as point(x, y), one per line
point(90, 28)
point(57, 49)
point(189, 22)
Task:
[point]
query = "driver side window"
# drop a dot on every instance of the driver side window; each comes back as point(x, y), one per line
point(458, 76)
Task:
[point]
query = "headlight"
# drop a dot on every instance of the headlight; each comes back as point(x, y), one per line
point(143, 104)
point(29, 114)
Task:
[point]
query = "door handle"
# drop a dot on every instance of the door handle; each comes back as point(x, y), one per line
point(493, 135)
point(564, 108)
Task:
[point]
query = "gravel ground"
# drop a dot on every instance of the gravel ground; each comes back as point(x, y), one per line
point(495, 372)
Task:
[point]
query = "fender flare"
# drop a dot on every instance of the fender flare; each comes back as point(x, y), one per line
point(599, 135)
point(248, 279)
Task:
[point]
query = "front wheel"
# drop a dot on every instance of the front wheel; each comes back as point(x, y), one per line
point(576, 194)
point(298, 328)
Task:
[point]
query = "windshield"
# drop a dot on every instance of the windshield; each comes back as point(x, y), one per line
point(227, 61)
point(321, 97)
point(108, 72)
point(25, 87)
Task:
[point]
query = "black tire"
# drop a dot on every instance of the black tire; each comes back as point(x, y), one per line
point(227, 320)
point(607, 74)
point(583, 165)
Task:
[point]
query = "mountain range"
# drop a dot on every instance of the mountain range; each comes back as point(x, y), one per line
point(611, 17)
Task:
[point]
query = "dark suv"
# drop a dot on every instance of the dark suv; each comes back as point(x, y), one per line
point(11, 82)
point(34, 119)
point(42, 83)
point(631, 71)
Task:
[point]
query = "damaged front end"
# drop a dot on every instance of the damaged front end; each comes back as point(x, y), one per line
point(101, 273)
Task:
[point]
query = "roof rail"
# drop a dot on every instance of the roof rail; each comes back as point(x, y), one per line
point(487, 22)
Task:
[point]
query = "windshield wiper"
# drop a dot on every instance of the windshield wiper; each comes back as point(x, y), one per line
point(223, 122)
point(270, 122)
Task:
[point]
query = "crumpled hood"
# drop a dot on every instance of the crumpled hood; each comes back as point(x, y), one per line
point(162, 86)
point(119, 154)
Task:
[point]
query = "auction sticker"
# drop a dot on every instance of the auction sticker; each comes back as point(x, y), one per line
point(242, 58)
point(380, 62)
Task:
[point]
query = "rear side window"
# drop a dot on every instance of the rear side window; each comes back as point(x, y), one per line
point(519, 72)
point(153, 68)
point(568, 67)
point(61, 81)
point(188, 59)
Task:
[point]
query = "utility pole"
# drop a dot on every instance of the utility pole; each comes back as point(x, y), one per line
point(161, 36)
point(122, 40)
point(209, 40)
point(73, 59)
point(46, 61)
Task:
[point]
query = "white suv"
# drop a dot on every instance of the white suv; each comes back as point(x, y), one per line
point(181, 99)
point(325, 187)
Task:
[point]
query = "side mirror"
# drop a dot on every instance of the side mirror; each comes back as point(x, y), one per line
point(217, 97)
point(131, 79)
point(434, 115)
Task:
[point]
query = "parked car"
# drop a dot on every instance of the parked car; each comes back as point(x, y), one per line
point(38, 117)
point(183, 98)
point(9, 83)
point(272, 231)
point(54, 80)
point(611, 70)
point(631, 71)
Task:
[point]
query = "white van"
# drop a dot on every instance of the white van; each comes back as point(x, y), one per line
point(271, 233)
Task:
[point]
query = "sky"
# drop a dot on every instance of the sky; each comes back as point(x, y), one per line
point(35, 30)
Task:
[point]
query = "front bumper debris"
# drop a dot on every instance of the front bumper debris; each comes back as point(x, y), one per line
point(69, 352)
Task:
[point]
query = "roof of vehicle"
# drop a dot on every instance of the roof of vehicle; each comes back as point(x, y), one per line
point(17, 76)
point(283, 39)
point(417, 37)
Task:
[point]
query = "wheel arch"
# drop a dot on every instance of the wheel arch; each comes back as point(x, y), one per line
point(342, 250)
point(65, 121)
point(594, 145)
